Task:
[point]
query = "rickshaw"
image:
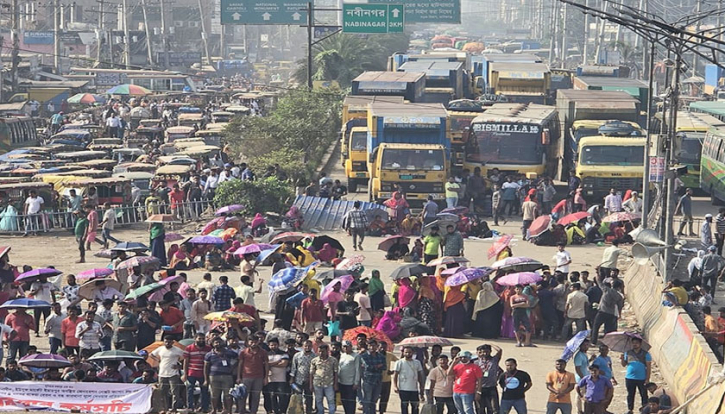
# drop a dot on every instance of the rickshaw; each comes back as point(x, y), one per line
point(200, 151)
point(190, 120)
point(210, 136)
point(141, 179)
point(182, 144)
point(221, 116)
point(77, 156)
point(134, 167)
point(178, 132)
point(150, 129)
point(105, 144)
point(126, 154)
point(238, 110)
point(102, 164)
point(137, 114)
point(172, 174)
point(114, 190)
point(86, 173)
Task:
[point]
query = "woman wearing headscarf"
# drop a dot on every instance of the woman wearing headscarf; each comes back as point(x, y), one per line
point(376, 291)
point(487, 313)
point(410, 323)
point(327, 253)
point(455, 311)
point(406, 293)
point(507, 321)
point(429, 308)
point(180, 259)
point(294, 218)
point(229, 257)
point(156, 236)
point(258, 222)
point(389, 325)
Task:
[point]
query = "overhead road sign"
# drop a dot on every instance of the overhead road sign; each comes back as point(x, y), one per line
point(429, 11)
point(281, 12)
point(372, 18)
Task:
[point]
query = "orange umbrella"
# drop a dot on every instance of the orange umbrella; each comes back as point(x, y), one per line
point(351, 335)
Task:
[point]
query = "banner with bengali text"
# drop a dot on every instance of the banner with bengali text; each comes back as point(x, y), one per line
point(85, 397)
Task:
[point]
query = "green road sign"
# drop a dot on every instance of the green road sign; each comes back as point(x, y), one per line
point(372, 18)
point(263, 12)
point(428, 11)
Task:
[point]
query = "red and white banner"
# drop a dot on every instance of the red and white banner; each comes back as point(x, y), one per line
point(86, 397)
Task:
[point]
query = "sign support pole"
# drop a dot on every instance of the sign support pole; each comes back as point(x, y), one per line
point(310, 21)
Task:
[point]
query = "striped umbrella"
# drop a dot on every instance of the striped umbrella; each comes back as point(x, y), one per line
point(128, 89)
point(289, 278)
point(86, 98)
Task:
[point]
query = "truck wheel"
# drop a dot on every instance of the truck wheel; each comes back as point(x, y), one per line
point(351, 185)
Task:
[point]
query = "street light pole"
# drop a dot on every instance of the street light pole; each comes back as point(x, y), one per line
point(645, 188)
point(670, 160)
point(310, 21)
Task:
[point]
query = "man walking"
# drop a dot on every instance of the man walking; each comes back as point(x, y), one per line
point(108, 224)
point(684, 206)
point(595, 390)
point(529, 211)
point(372, 365)
point(467, 383)
point(560, 384)
point(610, 306)
point(356, 222)
point(408, 381)
point(323, 377)
point(514, 383)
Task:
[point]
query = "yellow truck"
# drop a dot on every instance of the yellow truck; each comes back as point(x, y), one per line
point(606, 162)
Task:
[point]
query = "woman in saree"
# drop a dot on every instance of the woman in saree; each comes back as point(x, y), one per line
point(406, 293)
point(156, 235)
point(389, 325)
point(429, 304)
point(455, 324)
point(327, 253)
point(376, 291)
point(180, 259)
point(487, 313)
point(507, 321)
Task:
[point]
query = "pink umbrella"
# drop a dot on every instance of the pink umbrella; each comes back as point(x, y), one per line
point(94, 273)
point(345, 281)
point(499, 245)
point(539, 226)
point(248, 249)
point(521, 278)
point(212, 225)
point(573, 218)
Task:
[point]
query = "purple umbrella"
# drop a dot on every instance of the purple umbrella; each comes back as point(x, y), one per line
point(248, 249)
point(345, 281)
point(521, 278)
point(36, 273)
point(206, 240)
point(467, 274)
point(229, 209)
point(139, 261)
point(44, 361)
point(517, 264)
point(94, 273)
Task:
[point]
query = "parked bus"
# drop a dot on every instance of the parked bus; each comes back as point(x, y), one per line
point(515, 138)
point(714, 108)
point(712, 164)
point(691, 129)
point(17, 133)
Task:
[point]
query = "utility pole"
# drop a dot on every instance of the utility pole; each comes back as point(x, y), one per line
point(585, 50)
point(149, 50)
point(564, 44)
point(126, 36)
point(670, 159)
point(554, 31)
point(204, 35)
point(223, 42)
point(645, 188)
point(164, 40)
point(694, 55)
point(100, 32)
point(56, 36)
point(16, 46)
point(310, 21)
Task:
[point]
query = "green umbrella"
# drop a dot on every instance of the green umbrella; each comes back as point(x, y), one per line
point(143, 290)
point(187, 341)
point(115, 355)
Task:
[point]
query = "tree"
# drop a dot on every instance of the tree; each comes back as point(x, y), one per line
point(259, 196)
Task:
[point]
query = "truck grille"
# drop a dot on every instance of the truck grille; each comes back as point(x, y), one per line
point(359, 166)
point(605, 183)
point(416, 187)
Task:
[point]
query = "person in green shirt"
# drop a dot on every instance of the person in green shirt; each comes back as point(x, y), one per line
point(81, 232)
point(432, 245)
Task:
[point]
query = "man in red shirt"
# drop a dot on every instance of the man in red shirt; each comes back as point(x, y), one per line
point(239, 306)
point(313, 312)
point(252, 372)
point(467, 382)
point(22, 324)
point(176, 197)
point(172, 320)
point(194, 371)
point(68, 331)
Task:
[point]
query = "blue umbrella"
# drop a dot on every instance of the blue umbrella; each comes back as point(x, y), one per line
point(572, 347)
point(25, 303)
point(264, 254)
point(288, 278)
point(130, 247)
point(296, 300)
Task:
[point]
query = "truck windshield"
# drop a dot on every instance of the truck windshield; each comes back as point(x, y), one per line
point(612, 155)
point(691, 148)
point(585, 132)
point(359, 141)
point(412, 159)
point(505, 147)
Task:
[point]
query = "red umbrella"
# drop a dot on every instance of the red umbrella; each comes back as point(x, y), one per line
point(391, 240)
point(499, 245)
point(351, 335)
point(540, 225)
point(573, 218)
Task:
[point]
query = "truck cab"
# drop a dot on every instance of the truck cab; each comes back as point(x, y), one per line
point(356, 169)
point(605, 162)
point(420, 170)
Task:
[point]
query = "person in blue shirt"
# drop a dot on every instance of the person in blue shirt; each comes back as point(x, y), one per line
point(581, 361)
point(604, 361)
point(639, 367)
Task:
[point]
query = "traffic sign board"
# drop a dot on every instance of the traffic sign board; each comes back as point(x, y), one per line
point(429, 11)
point(263, 12)
point(372, 18)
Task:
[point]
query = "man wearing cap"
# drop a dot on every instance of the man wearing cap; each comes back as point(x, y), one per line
point(595, 390)
point(633, 204)
point(706, 231)
point(711, 267)
point(467, 384)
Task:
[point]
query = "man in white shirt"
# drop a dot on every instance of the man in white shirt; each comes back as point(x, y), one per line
point(33, 205)
point(575, 311)
point(89, 333)
point(212, 181)
point(246, 290)
point(633, 204)
point(364, 317)
point(610, 256)
point(103, 292)
point(168, 357)
point(112, 125)
point(53, 328)
point(108, 224)
point(409, 380)
point(613, 202)
point(562, 258)
point(42, 290)
point(5, 331)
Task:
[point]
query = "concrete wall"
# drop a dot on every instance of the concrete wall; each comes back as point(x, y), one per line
point(683, 356)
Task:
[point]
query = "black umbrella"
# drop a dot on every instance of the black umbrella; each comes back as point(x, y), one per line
point(267, 238)
point(320, 241)
point(330, 274)
point(408, 270)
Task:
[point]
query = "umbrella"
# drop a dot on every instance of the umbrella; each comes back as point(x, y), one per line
point(291, 236)
point(161, 218)
point(296, 300)
point(540, 225)
point(25, 303)
point(499, 245)
point(330, 274)
point(86, 98)
point(621, 216)
point(144, 290)
point(172, 237)
point(455, 210)
point(573, 218)
point(212, 225)
point(205, 240)
point(453, 270)
point(425, 341)
point(289, 277)
point(622, 341)
point(377, 211)
point(319, 241)
point(517, 264)
point(441, 224)
point(128, 89)
point(104, 254)
point(115, 355)
point(36, 273)
point(87, 289)
point(345, 281)
point(391, 240)
point(446, 260)
point(187, 341)
point(350, 262)
point(351, 335)
point(467, 274)
point(130, 247)
point(521, 278)
point(231, 209)
point(248, 249)
point(408, 270)
point(224, 316)
point(44, 361)
point(94, 273)
point(572, 346)
point(264, 254)
point(139, 261)
point(448, 217)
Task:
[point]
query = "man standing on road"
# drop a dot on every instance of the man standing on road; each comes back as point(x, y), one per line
point(596, 391)
point(467, 385)
point(452, 192)
point(490, 368)
point(452, 242)
point(441, 386)
point(168, 357)
point(613, 202)
point(562, 258)
point(515, 383)
point(300, 373)
point(610, 306)
point(356, 222)
point(529, 211)
point(193, 372)
point(253, 372)
point(430, 211)
point(639, 367)
point(219, 371)
point(575, 311)
point(684, 205)
point(372, 365)
point(348, 377)
point(560, 384)
point(610, 256)
point(323, 377)
point(409, 381)
point(33, 205)
point(706, 233)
